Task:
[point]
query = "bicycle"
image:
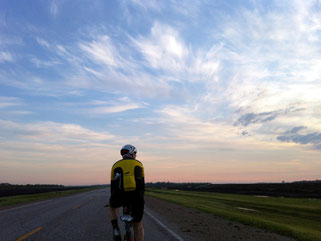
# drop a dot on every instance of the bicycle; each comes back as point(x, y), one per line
point(128, 219)
point(127, 215)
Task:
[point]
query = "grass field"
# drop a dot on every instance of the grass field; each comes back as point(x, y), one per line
point(297, 218)
point(22, 199)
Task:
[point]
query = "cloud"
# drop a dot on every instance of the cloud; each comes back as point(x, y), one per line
point(109, 65)
point(251, 118)
point(206, 64)
point(102, 51)
point(294, 130)
point(18, 112)
point(163, 49)
point(246, 71)
point(9, 101)
point(54, 8)
point(100, 64)
point(184, 126)
point(165, 52)
point(146, 5)
point(105, 106)
point(301, 135)
point(210, 75)
point(62, 51)
point(188, 9)
point(311, 138)
point(10, 39)
point(265, 61)
point(98, 74)
point(6, 56)
point(44, 64)
point(11, 106)
point(2, 19)
point(51, 132)
point(114, 109)
point(43, 42)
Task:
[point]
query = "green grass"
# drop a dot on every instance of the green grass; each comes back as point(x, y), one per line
point(297, 218)
point(23, 199)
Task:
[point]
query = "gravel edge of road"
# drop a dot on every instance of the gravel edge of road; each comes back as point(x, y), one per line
point(193, 225)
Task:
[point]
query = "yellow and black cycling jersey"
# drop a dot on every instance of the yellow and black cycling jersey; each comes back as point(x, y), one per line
point(127, 175)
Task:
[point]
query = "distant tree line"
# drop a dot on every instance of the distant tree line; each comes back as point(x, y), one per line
point(299, 189)
point(7, 189)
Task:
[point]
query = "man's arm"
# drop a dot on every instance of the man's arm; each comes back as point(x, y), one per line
point(116, 184)
point(140, 178)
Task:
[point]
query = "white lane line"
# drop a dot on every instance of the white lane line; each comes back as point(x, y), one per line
point(7, 210)
point(163, 225)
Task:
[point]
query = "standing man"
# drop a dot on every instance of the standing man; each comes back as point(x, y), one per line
point(127, 185)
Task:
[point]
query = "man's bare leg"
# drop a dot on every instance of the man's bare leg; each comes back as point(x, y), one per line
point(113, 213)
point(138, 231)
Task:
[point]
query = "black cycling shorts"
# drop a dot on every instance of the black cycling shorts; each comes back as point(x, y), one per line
point(134, 199)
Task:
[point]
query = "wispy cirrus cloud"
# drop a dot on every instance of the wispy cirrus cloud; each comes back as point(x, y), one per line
point(184, 9)
point(51, 132)
point(186, 127)
point(266, 70)
point(43, 42)
point(250, 71)
point(223, 83)
point(100, 107)
point(114, 108)
point(13, 106)
point(114, 69)
point(54, 8)
point(149, 5)
point(9, 101)
point(2, 19)
point(102, 51)
point(6, 56)
point(44, 64)
point(163, 49)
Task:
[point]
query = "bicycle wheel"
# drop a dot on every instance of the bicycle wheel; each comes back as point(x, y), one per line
point(128, 235)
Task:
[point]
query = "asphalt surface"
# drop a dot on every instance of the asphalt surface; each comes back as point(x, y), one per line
point(79, 217)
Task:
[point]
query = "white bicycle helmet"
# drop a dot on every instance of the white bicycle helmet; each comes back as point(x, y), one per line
point(128, 151)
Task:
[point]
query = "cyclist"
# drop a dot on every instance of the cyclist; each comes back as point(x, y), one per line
point(127, 186)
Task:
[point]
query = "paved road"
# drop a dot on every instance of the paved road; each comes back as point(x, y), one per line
point(79, 217)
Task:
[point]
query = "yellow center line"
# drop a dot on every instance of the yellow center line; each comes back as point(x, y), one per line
point(77, 206)
point(28, 234)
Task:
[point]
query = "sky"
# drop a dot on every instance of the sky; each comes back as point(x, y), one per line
point(208, 91)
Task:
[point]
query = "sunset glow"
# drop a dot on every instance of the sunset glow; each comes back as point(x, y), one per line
point(208, 91)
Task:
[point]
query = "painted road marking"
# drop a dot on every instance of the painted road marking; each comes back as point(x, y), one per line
point(248, 209)
point(7, 210)
point(29, 234)
point(77, 206)
point(163, 225)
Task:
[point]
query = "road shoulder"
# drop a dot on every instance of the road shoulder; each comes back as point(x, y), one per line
point(202, 226)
